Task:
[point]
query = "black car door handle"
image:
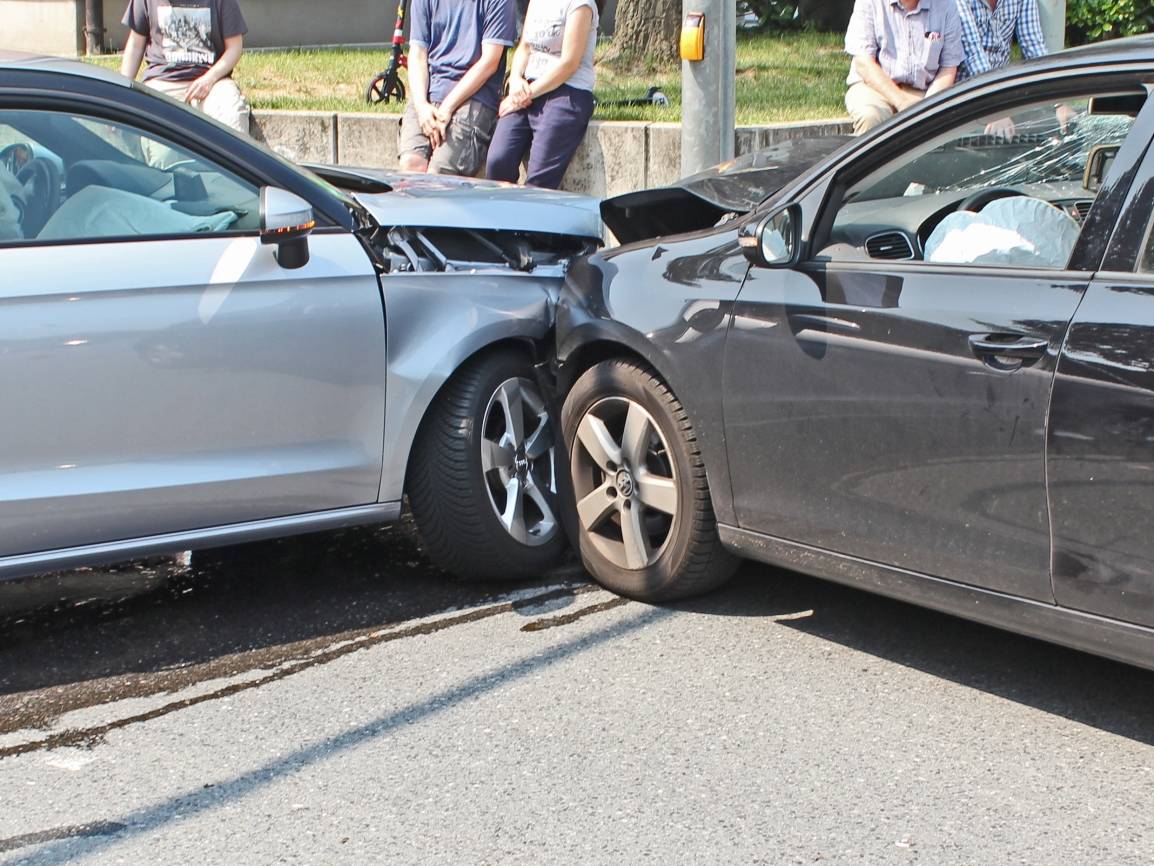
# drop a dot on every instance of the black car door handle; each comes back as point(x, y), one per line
point(1008, 346)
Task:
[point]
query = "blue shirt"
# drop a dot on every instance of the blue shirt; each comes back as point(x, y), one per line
point(987, 34)
point(910, 46)
point(452, 32)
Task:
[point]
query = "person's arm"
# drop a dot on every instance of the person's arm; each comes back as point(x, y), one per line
point(229, 58)
point(133, 54)
point(977, 60)
point(1031, 39)
point(419, 94)
point(944, 80)
point(473, 80)
point(577, 28)
point(874, 76)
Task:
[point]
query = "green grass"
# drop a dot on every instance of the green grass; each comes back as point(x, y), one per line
point(780, 77)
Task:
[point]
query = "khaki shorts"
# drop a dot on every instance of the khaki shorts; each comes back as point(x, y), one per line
point(867, 108)
point(466, 143)
point(224, 102)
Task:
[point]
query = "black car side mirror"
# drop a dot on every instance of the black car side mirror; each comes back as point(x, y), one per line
point(286, 220)
point(774, 241)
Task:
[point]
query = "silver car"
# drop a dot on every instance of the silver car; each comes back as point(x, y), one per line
point(201, 343)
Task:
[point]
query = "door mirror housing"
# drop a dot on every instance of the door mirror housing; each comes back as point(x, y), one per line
point(286, 220)
point(775, 240)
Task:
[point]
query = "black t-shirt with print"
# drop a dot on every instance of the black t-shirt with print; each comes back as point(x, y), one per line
point(185, 37)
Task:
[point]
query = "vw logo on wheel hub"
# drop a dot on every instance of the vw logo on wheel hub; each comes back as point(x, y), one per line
point(624, 483)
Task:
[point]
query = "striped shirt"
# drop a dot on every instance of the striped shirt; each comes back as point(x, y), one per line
point(910, 45)
point(987, 33)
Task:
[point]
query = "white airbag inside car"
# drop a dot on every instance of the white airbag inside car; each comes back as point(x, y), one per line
point(100, 211)
point(1019, 231)
point(11, 192)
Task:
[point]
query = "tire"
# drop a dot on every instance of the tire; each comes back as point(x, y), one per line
point(643, 519)
point(466, 467)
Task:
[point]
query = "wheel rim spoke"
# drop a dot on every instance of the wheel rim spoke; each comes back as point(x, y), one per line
point(513, 517)
point(548, 519)
point(638, 551)
point(540, 441)
point(635, 438)
point(657, 493)
point(593, 509)
point(495, 455)
point(512, 406)
point(599, 443)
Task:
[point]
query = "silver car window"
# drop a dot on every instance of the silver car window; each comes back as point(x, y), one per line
point(79, 178)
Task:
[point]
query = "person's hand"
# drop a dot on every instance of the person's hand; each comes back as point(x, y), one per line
point(431, 125)
point(444, 116)
point(1003, 128)
point(199, 90)
point(513, 103)
point(1065, 115)
point(518, 86)
point(909, 100)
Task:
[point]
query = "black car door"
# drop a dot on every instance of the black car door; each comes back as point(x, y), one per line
point(894, 409)
point(1101, 435)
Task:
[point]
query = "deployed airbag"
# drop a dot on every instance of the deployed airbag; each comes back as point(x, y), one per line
point(1018, 231)
point(97, 211)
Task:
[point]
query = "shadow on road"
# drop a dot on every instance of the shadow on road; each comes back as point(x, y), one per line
point(256, 606)
point(1083, 688)
point(236, 609)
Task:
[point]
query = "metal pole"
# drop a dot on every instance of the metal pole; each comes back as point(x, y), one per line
point(94, 26)
point(708, 98)
point(1053, 14)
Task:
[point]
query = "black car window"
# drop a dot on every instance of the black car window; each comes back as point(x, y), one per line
point(66, 177)
point(1009, 189)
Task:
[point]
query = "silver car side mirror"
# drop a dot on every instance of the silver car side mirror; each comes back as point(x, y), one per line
point(286, 220)
point(775, 241)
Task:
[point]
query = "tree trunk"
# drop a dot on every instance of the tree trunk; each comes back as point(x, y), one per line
point(646, 30)
point(828, 15)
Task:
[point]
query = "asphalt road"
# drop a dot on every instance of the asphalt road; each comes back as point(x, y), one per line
point(331, 699)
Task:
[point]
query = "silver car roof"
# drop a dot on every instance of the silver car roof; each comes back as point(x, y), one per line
point(44, 63)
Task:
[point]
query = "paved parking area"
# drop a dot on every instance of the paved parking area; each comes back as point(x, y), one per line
point(332, 700)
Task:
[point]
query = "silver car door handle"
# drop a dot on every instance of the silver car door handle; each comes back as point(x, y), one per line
point(1008, 346)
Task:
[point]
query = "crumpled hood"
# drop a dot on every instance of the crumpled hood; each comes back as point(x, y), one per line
point(699, 201)
point(421, 200)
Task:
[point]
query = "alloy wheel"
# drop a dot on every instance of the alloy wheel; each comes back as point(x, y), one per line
point(625, 483)
point(518, 460)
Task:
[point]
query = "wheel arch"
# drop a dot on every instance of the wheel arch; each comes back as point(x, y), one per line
point(429, 340)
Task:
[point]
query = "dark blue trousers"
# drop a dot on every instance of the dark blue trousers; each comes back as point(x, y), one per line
point(550, 130)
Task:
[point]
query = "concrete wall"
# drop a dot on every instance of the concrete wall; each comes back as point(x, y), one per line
point(41, 26)
point(614, 158)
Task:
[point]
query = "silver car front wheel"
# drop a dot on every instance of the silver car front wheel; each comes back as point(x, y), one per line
point(482, 479)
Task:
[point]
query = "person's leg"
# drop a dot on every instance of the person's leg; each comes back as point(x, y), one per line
point(412, 146)
point(156, 154)
point(867, 108)
point(227, 104)
point(557, 134)
point(466, 141)
point(511, 138)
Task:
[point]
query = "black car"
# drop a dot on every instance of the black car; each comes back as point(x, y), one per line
point(924, 366)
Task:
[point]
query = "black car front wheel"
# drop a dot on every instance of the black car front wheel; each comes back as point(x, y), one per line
point(483, 474)
point(644, 518)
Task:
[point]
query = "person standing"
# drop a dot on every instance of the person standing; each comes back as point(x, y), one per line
point(988, 31)
point(456, 66)
point(189, 49)
point(903, 51)
point(550, 99)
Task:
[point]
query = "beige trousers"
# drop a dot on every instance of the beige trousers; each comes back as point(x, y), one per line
point(224, 102)
point(868, 108)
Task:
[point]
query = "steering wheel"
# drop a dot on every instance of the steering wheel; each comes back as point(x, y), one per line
point(41, 180)
point(975, 201)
